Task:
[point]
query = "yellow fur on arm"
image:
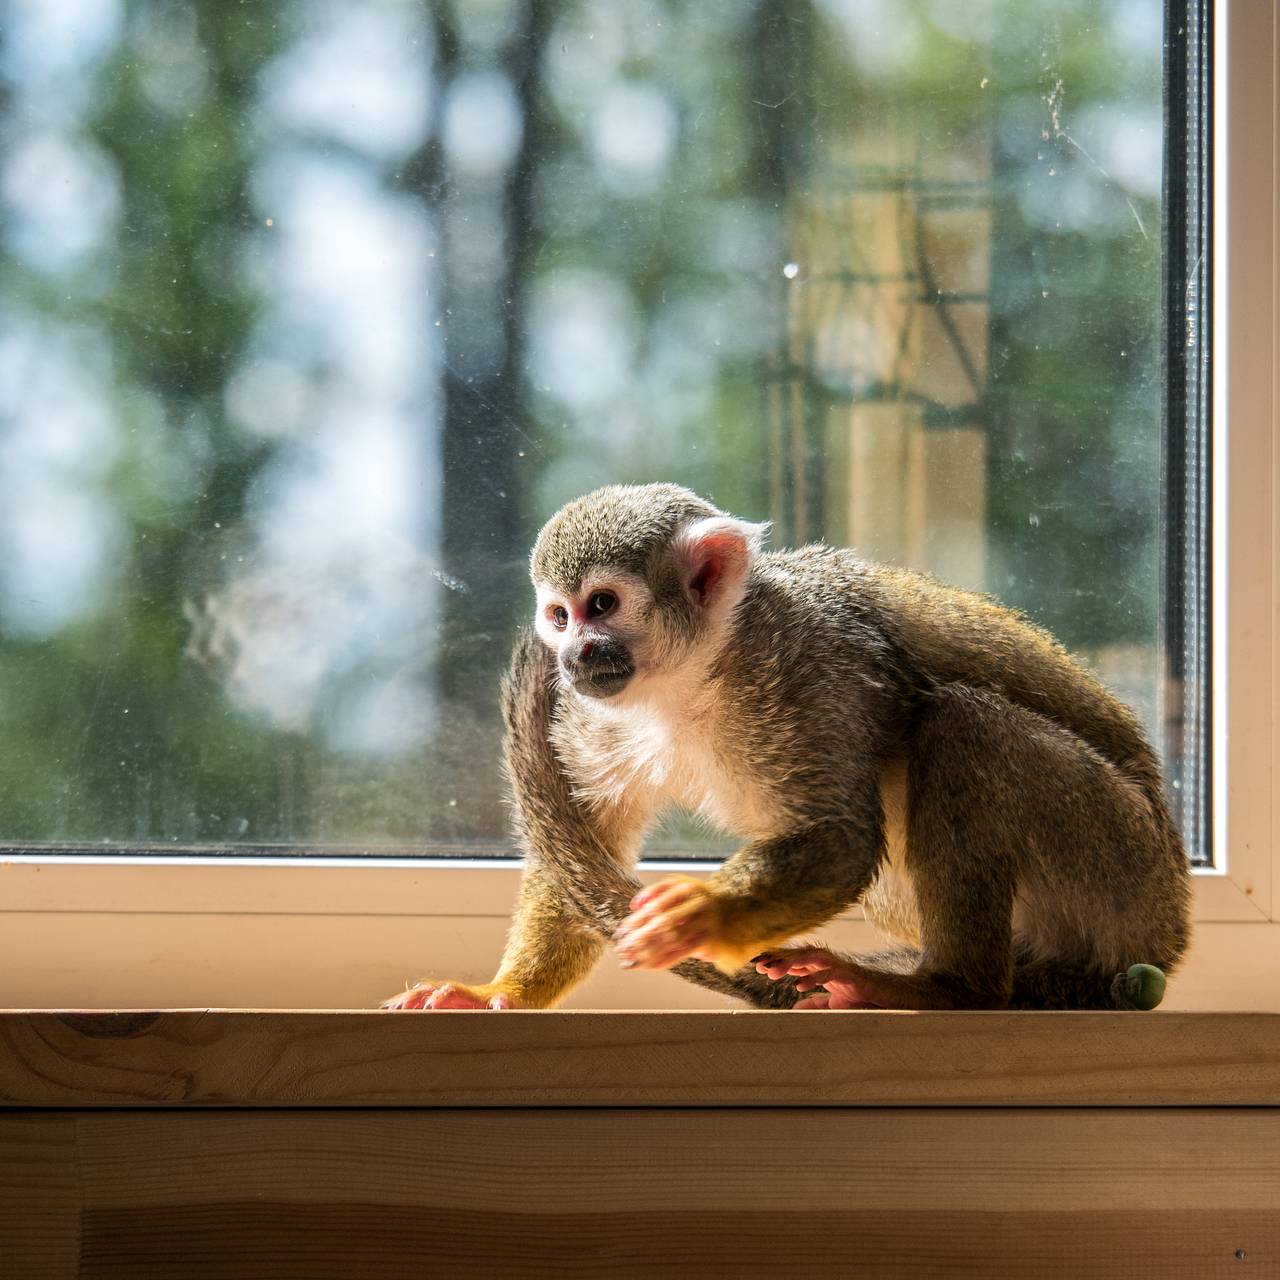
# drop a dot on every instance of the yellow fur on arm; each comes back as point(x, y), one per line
point(549, 949)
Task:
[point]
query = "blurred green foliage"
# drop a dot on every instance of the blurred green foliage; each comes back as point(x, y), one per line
point(622, 258)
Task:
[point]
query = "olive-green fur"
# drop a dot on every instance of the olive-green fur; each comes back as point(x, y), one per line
point(627, 526)
point(1044, 860)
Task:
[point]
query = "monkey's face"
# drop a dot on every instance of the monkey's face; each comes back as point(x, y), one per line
point(636, 584)
point(600, 632)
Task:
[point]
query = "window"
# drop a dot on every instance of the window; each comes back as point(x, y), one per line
point(313, 313)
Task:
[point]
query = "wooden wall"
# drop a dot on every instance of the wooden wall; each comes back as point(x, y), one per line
point(180, 1145)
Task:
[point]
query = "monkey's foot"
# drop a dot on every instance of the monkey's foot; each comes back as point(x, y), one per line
point(450, 995)
point(669, 922)
point(843, 986)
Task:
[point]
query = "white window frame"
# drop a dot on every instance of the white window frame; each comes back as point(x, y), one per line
point(294, 932)
point(1244, 599)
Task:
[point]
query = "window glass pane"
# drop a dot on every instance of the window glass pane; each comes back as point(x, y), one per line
point(312, 313)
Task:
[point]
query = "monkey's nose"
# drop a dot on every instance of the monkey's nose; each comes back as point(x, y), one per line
point(585, 652)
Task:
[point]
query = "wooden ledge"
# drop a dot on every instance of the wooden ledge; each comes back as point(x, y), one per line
point(245, 1058)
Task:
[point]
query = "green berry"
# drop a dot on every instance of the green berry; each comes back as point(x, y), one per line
point(1143, 985)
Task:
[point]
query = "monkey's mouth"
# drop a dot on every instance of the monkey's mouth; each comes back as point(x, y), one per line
point(602, 682)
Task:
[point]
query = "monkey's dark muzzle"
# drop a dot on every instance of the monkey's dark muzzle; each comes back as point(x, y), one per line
point(599, 669)
point(601, 684)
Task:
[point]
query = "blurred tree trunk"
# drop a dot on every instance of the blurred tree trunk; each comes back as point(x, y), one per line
point(488, 452)
point(780, 75)
point(179, 314)
point(486, 427)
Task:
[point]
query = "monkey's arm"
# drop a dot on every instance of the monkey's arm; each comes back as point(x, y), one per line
point(549, 950)
point(565, 843)
point(766, 893)
point(573, 891)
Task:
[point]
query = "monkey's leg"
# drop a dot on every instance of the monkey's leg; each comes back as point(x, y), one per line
point(998, 796)
point(550, 948)
point(841, 982)
point(1057, 984)
point(964, 827)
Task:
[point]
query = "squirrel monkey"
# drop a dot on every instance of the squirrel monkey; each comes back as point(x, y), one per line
point(872, 735)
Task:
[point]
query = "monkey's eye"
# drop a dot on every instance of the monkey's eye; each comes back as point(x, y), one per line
point(601, 602)
point(559, 617)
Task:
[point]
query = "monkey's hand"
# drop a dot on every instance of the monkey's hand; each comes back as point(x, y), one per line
point(679, 918)
point(452, 995)
point(839, 984)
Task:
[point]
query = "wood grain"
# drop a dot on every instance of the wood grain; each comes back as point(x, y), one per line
point(1170, 1193)
point(39, 1195)
point(243, 1058)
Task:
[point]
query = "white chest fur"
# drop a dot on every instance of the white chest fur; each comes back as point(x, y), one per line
point(655, 754)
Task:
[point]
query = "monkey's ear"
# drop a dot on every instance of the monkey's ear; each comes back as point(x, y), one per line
point(715, 554)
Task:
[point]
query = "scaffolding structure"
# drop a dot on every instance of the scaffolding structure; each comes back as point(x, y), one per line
point(878, 398)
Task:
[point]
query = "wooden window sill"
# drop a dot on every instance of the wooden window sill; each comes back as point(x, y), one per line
point(282, 1059)
point(225, 1144)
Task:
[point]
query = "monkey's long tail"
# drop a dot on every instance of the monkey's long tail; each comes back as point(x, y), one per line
point(746, 984)
point(1039, 984)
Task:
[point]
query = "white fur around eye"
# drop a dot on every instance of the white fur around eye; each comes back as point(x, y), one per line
point(628, 616)
point(542, 624)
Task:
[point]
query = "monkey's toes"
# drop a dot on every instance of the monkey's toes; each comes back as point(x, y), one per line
point(446, 995)
point(836, 983)
point(821, 1001)
point(413, 998)
point(801, 961)
point(453, 995)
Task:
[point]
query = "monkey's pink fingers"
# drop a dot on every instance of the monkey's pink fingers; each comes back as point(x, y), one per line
point(652, 891)
point(662, 928)
point(671, 919)
point(817, 978)
point(834, 1003)
point(660, 952)
point(850, 992)
point(780, 968)
point(672, 899)
point(661, 935)
point(500, 1001)
point(658, 889)
point(641, 928)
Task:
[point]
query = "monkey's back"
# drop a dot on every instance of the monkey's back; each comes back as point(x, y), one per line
point(924, 634)
point(1086, 889)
